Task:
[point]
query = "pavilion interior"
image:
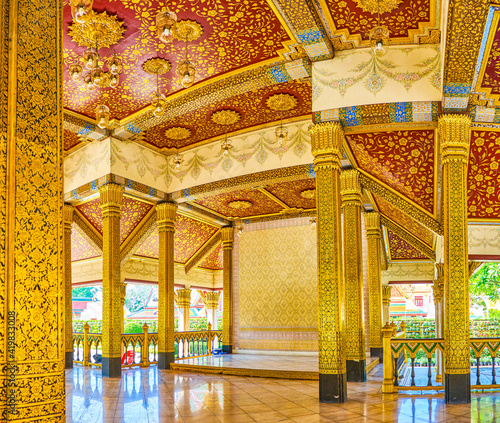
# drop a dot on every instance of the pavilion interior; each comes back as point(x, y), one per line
point(263, 66)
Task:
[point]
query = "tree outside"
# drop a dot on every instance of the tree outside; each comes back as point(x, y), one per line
point(484, 288)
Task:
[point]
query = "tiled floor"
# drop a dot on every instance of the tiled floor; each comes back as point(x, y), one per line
point(149, 395)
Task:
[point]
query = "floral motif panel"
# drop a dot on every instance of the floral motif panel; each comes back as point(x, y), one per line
point(214, 260)
point(296, 194)
point(80, 247)
point(401, 250)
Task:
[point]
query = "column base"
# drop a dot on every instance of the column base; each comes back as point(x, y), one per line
point(111, 367)
point(333, 388)
point(227, 349)
point(457, 388)
point(356, 371)
point(69, 360)
point(377, 352)
point(165, 359)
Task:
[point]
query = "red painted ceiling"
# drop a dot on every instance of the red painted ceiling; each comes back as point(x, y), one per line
point(401, 250)
point(80, 247)
point(214, 260)
point(289, 193)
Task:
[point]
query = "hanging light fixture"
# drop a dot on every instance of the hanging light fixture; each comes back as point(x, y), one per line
point(102, 116)
point(186, 70)
point(226, 146)
point(80, 9)
point(165, 22)
point(379, 36)
point(239, 227)
point(158, 101)
point(157, 66)
point(177, 160)
point(281, 134)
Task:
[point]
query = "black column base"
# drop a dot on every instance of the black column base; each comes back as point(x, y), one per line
point(457, 389)
point(356, 371)
point(69, 360)
point(165, 359)
point(111, 367)
point(227, 349)
point(333, 388)
point(377, 352)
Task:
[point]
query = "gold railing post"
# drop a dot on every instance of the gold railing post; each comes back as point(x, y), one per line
point(145, 346)
point(86, 352)
point(388, 383)
point(402, 328)
point(209, 343)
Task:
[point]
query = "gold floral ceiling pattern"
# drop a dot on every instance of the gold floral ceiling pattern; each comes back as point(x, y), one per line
point(214, 260)
point(290, 193)
point(404, 160)
point(483, 177)
point(236, 35)
point(190, 235)
point(80, 247)
point(132, 212)
point(251, 107)
point(399, 249)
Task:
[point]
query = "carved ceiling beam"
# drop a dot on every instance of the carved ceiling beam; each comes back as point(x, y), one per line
point(408, 237)
point(140, 233)
point(274, 198)
point(87, 230)
point(397, 200)
point(203, 252)
point(197, 212)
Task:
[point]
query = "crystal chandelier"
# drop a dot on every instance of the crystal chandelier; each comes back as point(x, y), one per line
point(80, 9)
point(186, 70)
point(157, 66)
point(177, 160)
point(165, 22)
point(226, 146)
point(281, 134)
point(379, 36)
point(102, 116)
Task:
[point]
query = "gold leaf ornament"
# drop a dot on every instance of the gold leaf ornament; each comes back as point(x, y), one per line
point(378, 6)
point(156, 66)
point(282, 102)
point(225, 117)
point(98, 29)
point(240, 204)
point(308, 193)
point(177, 133)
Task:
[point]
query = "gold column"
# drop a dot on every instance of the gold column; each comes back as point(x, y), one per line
point(68, 288)
point(353, 273)
point(183, 301)
point(111, 203)
point(454, 135)
point(32, 351)
point(386, 303)
point(166, 216)
point(438, 292)
point(373, 235)
point(326, 140)
point(227, 289)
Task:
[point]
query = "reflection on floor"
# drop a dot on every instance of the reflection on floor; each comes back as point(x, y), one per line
point(149, 395)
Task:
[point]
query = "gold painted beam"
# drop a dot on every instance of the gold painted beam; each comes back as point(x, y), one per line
point(87, 230)
point(408, 237)
point(203, 252)
point(274, 198)
point(398, 201)
point(140, 233)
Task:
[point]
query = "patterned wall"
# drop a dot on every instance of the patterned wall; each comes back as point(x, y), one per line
point(277, 301)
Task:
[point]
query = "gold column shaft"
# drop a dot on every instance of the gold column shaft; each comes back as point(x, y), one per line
point(373, 235)
point(326, 149)
point(166, 217)
point(68, 288)
point(111, 202)
point(353, 265)
point(32, 346)
point(454, 133)
point(227, 288)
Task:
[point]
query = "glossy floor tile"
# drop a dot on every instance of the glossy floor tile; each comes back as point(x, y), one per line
point(150, 395)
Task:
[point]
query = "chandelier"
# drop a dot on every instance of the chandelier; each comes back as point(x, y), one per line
point(189, 31)
point(95, 31)
point(157, 66)
point(177, 160)
point(165, 22)
point(102, 116)
point(281, 134)
point(226, 146)
point(379, 35)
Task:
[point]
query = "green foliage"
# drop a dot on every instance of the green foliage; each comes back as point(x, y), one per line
point(84, 292)
point(198, 324)
point(131, 326)
point(137, 296)
point(486, 282)
point(95, 325)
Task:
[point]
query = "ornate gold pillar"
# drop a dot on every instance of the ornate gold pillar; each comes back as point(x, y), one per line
point(182, 298)
point(32, 351)
point(211, 302)
point(454, 135)
point(166, 216)
point(353, 272)
point(373, 235)
point(386, 303)
point(111, 203)
point(438, 292)
point(326, 140)
point(68, 288)
point(227, 289)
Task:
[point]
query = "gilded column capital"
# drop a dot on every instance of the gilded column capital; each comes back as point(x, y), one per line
point(183, 297)
point(326, 143)
point(68, 215)
point(372, 224)
point(454, 136)
point(227, 235)
point(111, 198)
point(166, 214)
point(210, 299)
point(386, 294)
point(350, 188)
point(438, 283)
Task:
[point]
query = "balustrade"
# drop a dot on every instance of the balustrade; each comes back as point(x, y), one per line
point(197, 343)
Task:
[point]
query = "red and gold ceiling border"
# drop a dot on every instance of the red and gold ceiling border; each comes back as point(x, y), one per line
point(401, 251)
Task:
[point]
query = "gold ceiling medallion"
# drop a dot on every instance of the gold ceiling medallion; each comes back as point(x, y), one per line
point(177, 133)
point(282, 102)
point(225, 117)
point(156, 66)
point(187, 30)
point(378, 6)
point(308, 193)
point(97, 29)
point(240, 204)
